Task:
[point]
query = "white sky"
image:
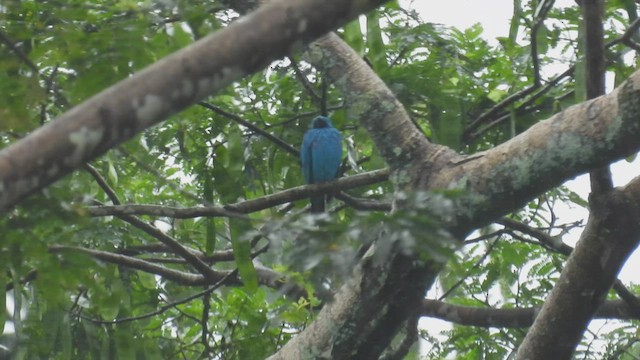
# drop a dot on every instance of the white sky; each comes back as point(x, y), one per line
point(494, 15)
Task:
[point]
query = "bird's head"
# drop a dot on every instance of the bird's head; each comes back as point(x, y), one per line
point(320, 122)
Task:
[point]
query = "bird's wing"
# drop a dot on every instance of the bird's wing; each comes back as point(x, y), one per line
point(306, 158)
point(326, 149)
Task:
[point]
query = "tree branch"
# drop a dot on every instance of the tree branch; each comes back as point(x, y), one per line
point(266, 276)
point(243, 207)
point(237, 119)
point(111, 194)
point(488, 185)
point(180, 277)
point(164, 88)
point(582, 137)
point(167, 306)
point(208, 273)
point(592, 12)
point(216, 256)
point(509, 317)
point(611, 234)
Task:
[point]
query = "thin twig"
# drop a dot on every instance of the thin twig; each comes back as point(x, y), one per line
point(164, 308)
point(173, 244)
point(23, 57)
point(102, 183)
point(276, 140)
point(305, 82)
point(476, 265)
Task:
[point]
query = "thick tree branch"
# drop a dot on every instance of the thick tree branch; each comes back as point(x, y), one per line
point(576, 140)
point(488, 185)
point(592, 12)
point(164, 88)
point(556, 244)
point(611, 234)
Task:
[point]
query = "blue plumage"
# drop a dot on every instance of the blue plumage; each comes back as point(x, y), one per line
point(320, 153)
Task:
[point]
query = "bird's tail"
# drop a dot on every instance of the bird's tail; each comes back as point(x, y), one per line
point(317, 204)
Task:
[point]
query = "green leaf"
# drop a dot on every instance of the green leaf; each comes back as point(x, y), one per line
point(241, 245)
point(66, 337)
point(109, 307)
point(542, 39)
point(353, 36)
point(112, 173)
point(125, 347)
point(376, 49)
point(148, 281)
point(496, 95)
point(514, 25)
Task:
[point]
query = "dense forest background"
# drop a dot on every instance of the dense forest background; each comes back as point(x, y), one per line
point(190, 238)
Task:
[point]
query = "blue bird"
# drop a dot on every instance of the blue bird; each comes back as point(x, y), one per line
point(320, 153)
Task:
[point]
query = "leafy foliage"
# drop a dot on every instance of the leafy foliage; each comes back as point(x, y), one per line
point(68, 304)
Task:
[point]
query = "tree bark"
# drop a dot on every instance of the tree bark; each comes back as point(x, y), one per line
point(489, 184)
point(164, 88)
point(611, 234)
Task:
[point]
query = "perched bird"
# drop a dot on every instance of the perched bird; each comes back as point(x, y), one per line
point(320, 153)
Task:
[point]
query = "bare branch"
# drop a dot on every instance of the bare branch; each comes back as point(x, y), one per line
point(23, 57)
point(180, 277)
point(243, 207)
point(216, 256)
point(209, 274)
point(509, 317)
point(111, 194)
point(363, 204)
point(274, 139)
point(266, 276)
point(305, 83)
point(543, 237)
